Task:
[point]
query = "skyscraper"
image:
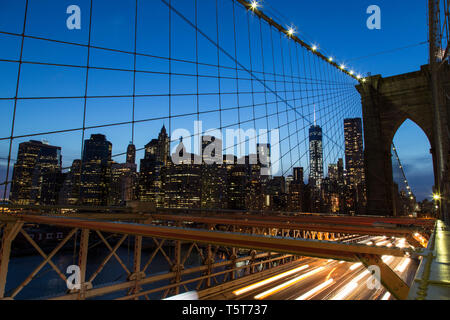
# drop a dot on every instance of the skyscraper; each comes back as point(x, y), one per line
point(131, 153)
point(123, 180)
point(182, 181)
point(150, 179)
point(295, 196)
point(298, 175)
point(95, 174)
point(315, 155)
point(213, 174)
point(333, 172)
point(340, 170)
point(354, 164)
point(354, 153)
point(211, 150)
point(163, 153)
point(70, 190)
point(35, 159)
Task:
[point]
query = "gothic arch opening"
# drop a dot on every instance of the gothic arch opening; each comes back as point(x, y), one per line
point(412, 146)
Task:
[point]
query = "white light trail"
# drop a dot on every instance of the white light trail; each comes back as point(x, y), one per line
point(287, 284)
point(360, 276)
point(386, 296)
point(402, 267)
point(350, 287)
point(387, 259)
point(345, 291)
point(355, 266)
point(269, 280)
point(315, 290)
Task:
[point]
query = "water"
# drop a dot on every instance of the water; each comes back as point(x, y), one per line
point(47, 283)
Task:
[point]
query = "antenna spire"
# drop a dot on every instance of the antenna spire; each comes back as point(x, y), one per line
point(314, 114)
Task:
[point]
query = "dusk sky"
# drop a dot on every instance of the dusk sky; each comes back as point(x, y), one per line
point(338, 28)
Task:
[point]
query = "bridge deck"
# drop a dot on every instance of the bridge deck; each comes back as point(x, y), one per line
point(431, 281)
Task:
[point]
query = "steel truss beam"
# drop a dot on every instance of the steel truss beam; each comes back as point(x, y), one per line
point(314, 248)
point(9, 234)
point(47, 259)
point(369, 255)
point(95, 292)
point(390, 280)
point(294, 225)
point(299, 217)
point(136, 280)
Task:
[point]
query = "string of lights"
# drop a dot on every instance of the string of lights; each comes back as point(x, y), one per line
point(400, 167)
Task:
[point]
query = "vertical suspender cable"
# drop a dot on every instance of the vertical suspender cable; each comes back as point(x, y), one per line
point(15, 100)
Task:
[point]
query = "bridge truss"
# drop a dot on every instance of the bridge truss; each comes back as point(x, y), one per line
point(229, 247)
point(228, 67)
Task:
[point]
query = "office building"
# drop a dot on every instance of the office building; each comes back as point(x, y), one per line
point(35, 159)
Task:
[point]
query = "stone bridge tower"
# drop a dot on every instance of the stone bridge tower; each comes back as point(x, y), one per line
point(386, 104)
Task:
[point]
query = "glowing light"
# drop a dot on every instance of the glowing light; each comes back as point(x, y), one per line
point(402, 267)
point(387, 259)
point(364, 80)
point(287, 284)
point(386, 296)
point(351, 286)
point(352, 72)
point(330, 59)
point(290, 31)
point(362, 275)
point(402, 243)
point(436, 197)
point(355, 266)
point(315, 290)
point(358, 77)
point(382, 243)
point(342, 66)
point(254, 5)
point(269, 280)
point(191, 295)
point(346, 291)
point(314, 48)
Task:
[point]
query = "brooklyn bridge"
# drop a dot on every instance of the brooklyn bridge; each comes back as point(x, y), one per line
point(207, 150)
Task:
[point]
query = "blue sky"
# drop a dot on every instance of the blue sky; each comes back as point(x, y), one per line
point(337, 27)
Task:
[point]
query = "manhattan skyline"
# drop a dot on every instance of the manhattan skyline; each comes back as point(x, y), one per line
point(415, 155)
